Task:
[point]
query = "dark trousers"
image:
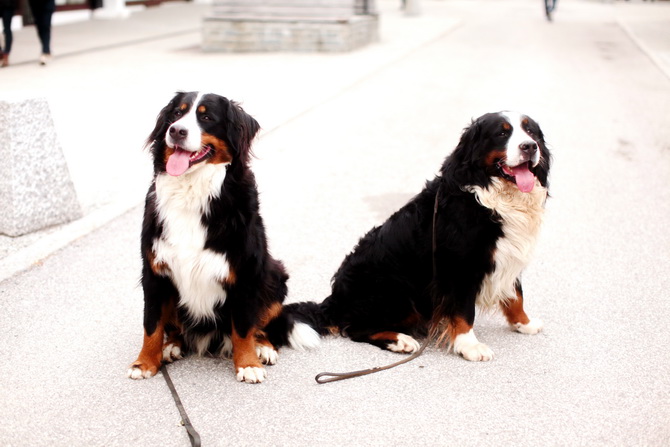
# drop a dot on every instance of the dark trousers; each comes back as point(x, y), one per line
point(7, 28)
point(42, 12)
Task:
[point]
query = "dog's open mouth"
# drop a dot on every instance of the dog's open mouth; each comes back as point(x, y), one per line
point(181, 160)
point(521, 175)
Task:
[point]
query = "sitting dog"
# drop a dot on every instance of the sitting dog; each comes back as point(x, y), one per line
point(463, 241)
point(210, 285)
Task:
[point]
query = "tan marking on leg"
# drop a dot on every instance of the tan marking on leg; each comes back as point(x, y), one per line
point(458, 326)
point(445, 334)
point(386, 335)
point(513, 310)
point(244, 350)
point(270, 313)
point(150, 357)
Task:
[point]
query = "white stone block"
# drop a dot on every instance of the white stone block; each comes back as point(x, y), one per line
point(35, 186)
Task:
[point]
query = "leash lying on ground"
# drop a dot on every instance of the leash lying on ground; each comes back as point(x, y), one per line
point(192, 434)
point(327, 377)
point(324, 377)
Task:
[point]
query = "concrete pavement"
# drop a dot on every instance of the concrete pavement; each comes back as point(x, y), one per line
point(347, 139)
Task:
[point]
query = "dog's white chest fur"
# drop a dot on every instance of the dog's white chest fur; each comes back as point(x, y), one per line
point(198, 273)
point(521, 216)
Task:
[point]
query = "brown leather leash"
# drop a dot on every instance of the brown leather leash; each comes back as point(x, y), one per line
point(192, 433)
point(327, 377)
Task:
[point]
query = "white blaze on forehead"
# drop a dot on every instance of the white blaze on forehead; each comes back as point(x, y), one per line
point(519, 136)
point(189, 122)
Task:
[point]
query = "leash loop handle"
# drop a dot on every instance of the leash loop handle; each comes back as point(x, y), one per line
point(327, 377)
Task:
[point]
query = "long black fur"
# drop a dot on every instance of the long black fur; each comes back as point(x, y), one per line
point(233, 224)
point(386, 283)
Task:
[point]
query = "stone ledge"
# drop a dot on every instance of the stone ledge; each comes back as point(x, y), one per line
point(35, 187)
point(302, 34)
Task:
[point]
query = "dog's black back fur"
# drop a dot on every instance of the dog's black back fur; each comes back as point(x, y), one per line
point(386, 283)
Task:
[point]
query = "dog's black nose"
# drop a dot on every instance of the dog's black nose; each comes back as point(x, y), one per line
point(528, 147)
point(178, 132)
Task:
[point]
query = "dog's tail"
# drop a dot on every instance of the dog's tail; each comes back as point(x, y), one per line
point(300, 326)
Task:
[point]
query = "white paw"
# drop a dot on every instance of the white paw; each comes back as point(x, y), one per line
point(136, 373)
point(405, 344)
point(171, 352)
point(251, 374)
point(477, 353)
point(533, 327)
point(266, 355)
point(471, 349)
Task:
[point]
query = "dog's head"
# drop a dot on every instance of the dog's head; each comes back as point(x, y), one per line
point(507, 145)
point(198, 128)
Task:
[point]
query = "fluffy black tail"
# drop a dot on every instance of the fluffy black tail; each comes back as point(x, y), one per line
point(300, 326)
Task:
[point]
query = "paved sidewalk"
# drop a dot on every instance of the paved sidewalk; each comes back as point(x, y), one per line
point(80, 71)
point(347, 139)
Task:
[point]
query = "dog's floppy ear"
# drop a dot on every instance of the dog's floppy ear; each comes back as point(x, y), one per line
point(465, 152)
point(240, 132)
point(162, 122)
point(542, 170)
point(470, 140)
point(463, 165)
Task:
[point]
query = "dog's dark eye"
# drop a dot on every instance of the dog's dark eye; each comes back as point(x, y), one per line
point(504, 133)
point(206, 118)
point(178, 113)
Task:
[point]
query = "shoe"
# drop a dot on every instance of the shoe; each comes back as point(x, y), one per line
point(5, 60)
point(45, 58)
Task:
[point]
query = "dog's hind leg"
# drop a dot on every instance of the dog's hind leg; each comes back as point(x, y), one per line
point(390, 340)
point(173, 348)
point(266, 352)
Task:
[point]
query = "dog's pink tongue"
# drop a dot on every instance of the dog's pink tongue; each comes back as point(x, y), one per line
point(178, 162)
point(525, 180)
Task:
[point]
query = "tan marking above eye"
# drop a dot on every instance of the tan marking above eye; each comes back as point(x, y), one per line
point(507, 126)
point(202, 109)
point(183, 107)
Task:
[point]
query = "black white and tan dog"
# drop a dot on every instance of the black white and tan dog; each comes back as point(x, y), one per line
point(210, 285)
point(463, 241)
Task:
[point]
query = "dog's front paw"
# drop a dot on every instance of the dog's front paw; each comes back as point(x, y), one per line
point(172, 352)
point(251, 374)
point(141, 370)
point(477, 353)
point(404, 344)
point(533, 327)
point(266, 354)
point(471, 349)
